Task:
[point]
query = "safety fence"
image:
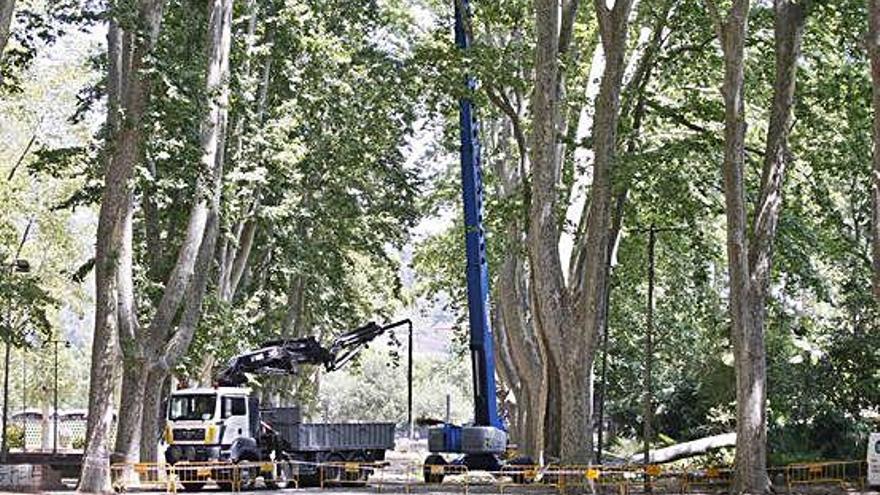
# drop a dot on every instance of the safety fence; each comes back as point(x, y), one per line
point(409, 477)
point(843, 473)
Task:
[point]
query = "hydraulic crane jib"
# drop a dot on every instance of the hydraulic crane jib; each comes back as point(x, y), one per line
point(283, 357)
point(482, 442)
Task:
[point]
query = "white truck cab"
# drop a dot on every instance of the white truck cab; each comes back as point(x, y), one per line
point(202, 424)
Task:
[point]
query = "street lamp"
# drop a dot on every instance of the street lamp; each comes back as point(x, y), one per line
point(17, 266)
point(66, 343)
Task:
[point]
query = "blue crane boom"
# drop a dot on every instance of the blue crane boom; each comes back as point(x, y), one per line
point(481, 344)
point(486, 439)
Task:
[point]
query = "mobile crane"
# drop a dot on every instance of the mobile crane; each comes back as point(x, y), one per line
point(226, 423)
point(483, 442)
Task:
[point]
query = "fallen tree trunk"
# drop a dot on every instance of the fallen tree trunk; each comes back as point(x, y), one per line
point(687, 449)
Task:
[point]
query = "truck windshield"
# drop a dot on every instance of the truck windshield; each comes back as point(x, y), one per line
point(192, 407)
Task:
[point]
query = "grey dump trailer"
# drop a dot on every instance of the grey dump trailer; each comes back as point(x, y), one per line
point(328, 442)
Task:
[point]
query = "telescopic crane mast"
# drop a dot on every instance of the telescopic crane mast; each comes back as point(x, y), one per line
point(486, 439)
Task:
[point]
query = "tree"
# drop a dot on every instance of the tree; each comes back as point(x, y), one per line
point(316, 189)
point(569, 319)
point(151, 350)
point(874, 53)
point(749, 256)
point(127, 97)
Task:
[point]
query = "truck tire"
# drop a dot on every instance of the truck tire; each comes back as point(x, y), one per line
point(431, 467)
point(360, 478)
point(245, 476)
point(193, 487)
point(333, 475)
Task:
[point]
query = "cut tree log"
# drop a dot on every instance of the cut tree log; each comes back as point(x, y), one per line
point(687, 449)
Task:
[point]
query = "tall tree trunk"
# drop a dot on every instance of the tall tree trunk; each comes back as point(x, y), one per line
point(126, 92)
point(7, 9)
point(568, 319)
point(552, 311)
point(128, 433)
point(552, 423)
point(750, 259)
point(151, 420)
point(520, 346)
point(588, 291)
point(748, 348)
point(508, 378)
point(874, 52)
point(179, 282)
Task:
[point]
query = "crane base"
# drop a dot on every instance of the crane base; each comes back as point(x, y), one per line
point(476, 440)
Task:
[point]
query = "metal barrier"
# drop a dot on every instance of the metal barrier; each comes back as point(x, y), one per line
point(410, 477)
point(194, 475)
point(347, 473)
point(706, 479)
point(840, 473)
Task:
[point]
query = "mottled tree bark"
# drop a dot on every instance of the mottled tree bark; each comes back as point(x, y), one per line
point(749, 259)
point(127, 96)
point(152, 342)
point(518, 347)
point(523, 347)
point(568, 318)
point(291, 326)
point(748, 348)
point(7, 9)
point(874, 52)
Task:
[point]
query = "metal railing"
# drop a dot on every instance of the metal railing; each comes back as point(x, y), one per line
point(410, 477)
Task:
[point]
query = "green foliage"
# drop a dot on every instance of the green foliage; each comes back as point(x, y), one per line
point(377, 390)
point(36, 25)
point(328, 102)
point(14, 436)
point(320, 166)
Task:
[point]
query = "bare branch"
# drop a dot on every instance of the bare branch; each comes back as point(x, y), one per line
point(500, 100)
point(23, 155)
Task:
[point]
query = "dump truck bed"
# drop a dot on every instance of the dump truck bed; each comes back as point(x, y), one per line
point(312, 437)
point(342, 436)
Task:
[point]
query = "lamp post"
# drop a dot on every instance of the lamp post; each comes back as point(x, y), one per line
point(55, 342)
point(17, 266)
point(409, 371)
point(648, 379)
point(24, 399)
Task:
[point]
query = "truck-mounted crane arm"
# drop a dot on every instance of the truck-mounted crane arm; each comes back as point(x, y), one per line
point(285, 356)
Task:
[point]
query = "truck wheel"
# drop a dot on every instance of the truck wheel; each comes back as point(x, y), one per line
point(359, 478)
point(223, 478)
point(333, 475)
point(245, 476)
point(193, 487)
point(434, 469)
point(309, 480)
